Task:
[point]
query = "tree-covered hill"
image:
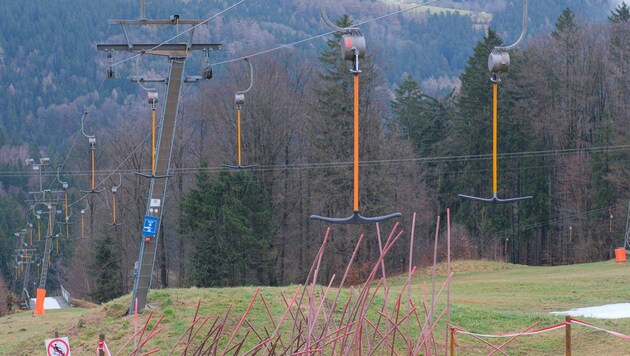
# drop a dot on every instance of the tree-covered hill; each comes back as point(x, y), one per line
point(48, 61)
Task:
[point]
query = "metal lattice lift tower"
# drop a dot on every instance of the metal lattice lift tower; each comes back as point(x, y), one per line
point(177, 53)
point(626, 239)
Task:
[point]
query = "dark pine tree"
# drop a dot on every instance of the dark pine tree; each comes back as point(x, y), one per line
point(106, 271)
point(228, 221)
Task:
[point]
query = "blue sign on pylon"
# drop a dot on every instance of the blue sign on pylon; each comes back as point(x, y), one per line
point(150, 226)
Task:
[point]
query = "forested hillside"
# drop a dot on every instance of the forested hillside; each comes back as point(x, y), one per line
point(49, 64)
point(425, 133)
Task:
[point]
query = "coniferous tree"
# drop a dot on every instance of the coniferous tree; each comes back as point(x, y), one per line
point(620, 14)
point(565, 23)
point(106, 271)
point(4, 297)
point(419, 117)
point(227, 220)
point(620, 52)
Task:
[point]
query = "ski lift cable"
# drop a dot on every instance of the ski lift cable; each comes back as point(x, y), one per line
point(79, 132)
point(118, 169)
point(434, 159)
point(337, 29)
point(121, 164)
point(76, 138)
point(192, 28)
point(557, 220)
point(422, 160)
point(136, 148)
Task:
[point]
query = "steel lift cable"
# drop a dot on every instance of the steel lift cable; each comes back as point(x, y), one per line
point(286, 45)
point(499, 62)
point(83, 116)
point(239, 101)
point(164, 45)
point(352, 45)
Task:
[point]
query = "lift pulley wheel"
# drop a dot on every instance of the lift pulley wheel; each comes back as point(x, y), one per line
point(239, 99)
point(206, 72)
point(498, 62)
point(350, 43)
point(152, 97)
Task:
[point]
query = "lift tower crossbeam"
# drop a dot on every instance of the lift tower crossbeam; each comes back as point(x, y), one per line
point(177, 54)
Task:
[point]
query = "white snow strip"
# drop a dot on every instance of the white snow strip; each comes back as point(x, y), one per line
point(609, 311)
point(49, 303)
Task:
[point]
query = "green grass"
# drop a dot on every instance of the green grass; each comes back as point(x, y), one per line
point(486, 297)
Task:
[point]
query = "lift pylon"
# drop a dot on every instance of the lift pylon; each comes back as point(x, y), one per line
point(41, 289)
point(626, 238)
point(177, 53)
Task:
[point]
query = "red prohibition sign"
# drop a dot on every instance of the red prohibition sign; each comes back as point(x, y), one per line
point(58, 347)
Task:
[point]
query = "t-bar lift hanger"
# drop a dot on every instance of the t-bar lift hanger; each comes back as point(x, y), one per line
point(114, 191)
point(92, 147)
point(499, 62)
point(353, 47)
point(239, 100)
point(152, 98)
point(64, 186)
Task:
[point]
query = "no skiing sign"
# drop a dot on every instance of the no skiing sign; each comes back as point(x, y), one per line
point(58, 347)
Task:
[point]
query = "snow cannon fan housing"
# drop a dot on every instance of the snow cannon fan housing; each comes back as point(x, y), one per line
point(498, 62)
point(350, 42)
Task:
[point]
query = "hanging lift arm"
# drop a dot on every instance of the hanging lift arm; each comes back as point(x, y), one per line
point(239, 101)
point(114, 202)
point(352, 48)
point(499, 62)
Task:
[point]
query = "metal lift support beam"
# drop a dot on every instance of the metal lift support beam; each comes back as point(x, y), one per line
point(47, 247)
point(177, 55)
point(626, 238)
